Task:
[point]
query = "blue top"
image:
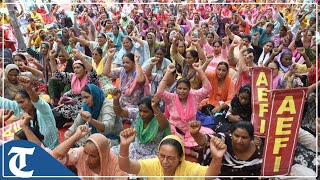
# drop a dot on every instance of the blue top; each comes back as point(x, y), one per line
point(47, 123)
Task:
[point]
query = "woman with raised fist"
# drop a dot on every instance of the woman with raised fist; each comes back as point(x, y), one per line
point(27, 100)
point(150, 122)
point(171, 159)
point(97, 112)
point(93, 159)
point(182, 106)
point(244, 153)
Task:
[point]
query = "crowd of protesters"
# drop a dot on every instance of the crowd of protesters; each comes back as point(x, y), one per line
point(157, 89)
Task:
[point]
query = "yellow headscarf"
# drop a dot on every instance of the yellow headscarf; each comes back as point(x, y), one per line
point(152, 167)
point(175, 138)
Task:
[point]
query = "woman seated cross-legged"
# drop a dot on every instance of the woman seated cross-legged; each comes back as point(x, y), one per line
point(71, 101)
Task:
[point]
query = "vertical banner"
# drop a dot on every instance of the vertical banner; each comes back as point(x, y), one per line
point(261, 82)
point(283, 128)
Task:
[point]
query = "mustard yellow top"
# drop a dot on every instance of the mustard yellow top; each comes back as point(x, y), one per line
point(37, 16)
point(288, 17)
point(152, 167)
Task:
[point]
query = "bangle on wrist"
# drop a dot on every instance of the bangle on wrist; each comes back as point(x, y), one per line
point(126, 157)
point(157, 114)
point(207, 142)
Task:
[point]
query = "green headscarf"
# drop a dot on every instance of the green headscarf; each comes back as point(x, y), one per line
point(147, 135)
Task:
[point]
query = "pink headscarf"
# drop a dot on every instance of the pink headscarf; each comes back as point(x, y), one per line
point(76, 83)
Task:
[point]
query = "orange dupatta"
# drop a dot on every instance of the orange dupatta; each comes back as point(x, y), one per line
point(212, 99)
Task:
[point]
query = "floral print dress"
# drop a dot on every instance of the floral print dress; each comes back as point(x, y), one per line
point(72, 110)
point(138, 150)
point(130, 101)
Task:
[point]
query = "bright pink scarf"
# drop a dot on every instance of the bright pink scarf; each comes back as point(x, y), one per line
point(146, 86)
point(189, 113)
point(77, 84)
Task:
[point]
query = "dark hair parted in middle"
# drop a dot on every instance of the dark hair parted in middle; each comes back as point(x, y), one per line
point(130, 56)
point(184, 80)
point(223, 63)
point(86, 89)
point(243, 125)
point(147, 101)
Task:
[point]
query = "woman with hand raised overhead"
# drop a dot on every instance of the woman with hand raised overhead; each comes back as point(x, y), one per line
point(171, 159)
point(182, 106)
point(150, 122)
point(133, 83)
point(71, 101)
point(93, 159)
point(222, 88)
point(192, 56)
point(27, 100)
